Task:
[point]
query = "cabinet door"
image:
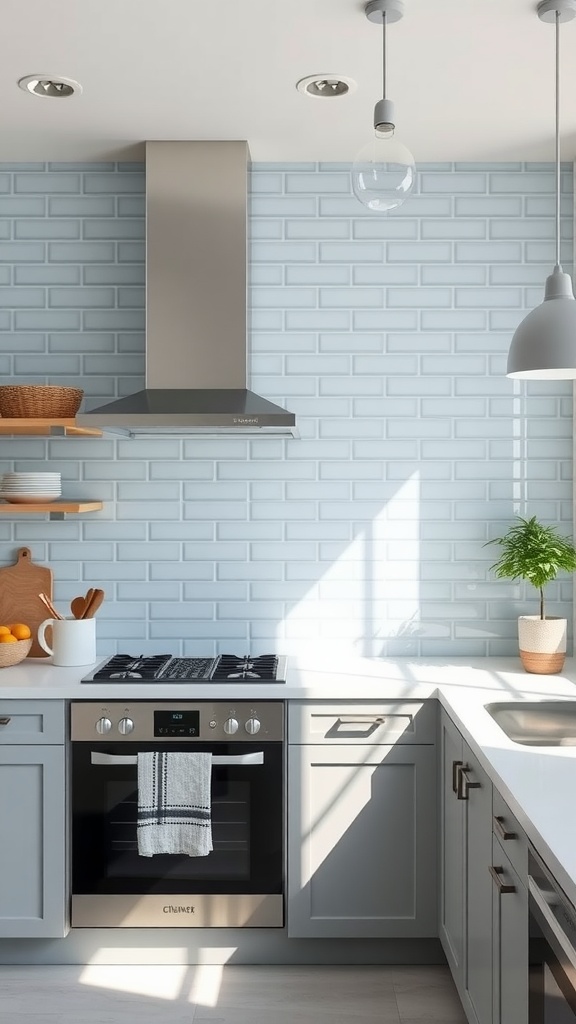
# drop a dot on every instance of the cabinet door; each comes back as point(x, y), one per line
point(465, 886)
point(477, 800)
point(510, 942)
point(32, 844)
point(362, 841)
point(452, 850)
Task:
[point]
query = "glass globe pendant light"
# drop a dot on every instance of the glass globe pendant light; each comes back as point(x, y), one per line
point(383, 173)
point(544, 344)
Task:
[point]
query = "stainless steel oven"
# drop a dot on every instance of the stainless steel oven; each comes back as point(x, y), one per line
point(241, 882)
point(552, 949)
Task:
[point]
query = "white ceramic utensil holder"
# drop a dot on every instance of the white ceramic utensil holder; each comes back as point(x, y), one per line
point(73, 641)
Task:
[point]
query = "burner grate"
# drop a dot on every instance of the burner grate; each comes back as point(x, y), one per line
point(124, 666)
point(231, 667)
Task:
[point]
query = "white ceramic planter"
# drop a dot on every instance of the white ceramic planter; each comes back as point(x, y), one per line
point(542, 643)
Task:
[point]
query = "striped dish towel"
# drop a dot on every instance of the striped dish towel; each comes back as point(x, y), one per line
point(174, 809)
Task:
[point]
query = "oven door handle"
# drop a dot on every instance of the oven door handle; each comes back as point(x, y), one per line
point(551, 922)
point(107, 759)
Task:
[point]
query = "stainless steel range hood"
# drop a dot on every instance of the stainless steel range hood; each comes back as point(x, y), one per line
point(196, 287)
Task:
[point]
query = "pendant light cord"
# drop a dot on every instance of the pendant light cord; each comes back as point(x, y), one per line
point(384, 54)
point(558, 140)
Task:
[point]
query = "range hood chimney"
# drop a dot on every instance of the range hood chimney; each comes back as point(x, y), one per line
point(196, 288)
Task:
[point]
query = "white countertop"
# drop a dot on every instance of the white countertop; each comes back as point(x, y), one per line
point(356, 679)
point(539, 783)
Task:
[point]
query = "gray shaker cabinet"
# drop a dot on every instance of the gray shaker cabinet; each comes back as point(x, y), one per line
point(510, 949)
point(477, 793)
point(465, 882)
point(510, 916)
point(452, 859)
point(362, 820)
point(32, 820)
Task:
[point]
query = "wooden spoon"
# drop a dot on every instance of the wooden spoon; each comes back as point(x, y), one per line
point(78, 606)
point(93, 604)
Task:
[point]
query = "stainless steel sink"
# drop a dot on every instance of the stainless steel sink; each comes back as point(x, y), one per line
point(543, 724)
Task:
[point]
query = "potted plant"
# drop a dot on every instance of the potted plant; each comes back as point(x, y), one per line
point(536, 553)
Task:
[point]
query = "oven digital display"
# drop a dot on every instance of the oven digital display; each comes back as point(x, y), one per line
point(176, 723)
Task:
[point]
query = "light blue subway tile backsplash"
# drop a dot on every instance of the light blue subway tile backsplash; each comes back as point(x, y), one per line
point(525, 182)
point(319, 183)
point(46, 182)
point(77, 206)
point(386, 334)
point(453, 182)
point(132, 182)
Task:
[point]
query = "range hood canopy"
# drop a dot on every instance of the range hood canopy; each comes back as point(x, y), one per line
point(196, 308)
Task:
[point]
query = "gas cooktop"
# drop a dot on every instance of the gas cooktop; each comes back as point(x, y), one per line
point(164, 668)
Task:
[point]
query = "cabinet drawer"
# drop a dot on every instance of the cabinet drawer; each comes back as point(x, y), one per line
point(511, 836)
point(31, 721)
point(358, 722)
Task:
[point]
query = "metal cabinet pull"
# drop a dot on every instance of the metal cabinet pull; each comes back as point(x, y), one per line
point(371, 723)
point(464, 784)
point(5, 720)
point(455, 766)
point(500, 885)
point(361, 719)
point(501, 830)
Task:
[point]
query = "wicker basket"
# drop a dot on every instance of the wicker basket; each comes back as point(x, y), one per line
point(11, 654)
point(39, 400)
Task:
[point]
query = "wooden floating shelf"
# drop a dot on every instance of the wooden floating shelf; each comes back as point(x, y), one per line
point(46, 428)
point(56, 509)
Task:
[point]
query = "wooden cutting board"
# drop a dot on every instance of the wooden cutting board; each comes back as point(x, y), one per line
point(20, 585)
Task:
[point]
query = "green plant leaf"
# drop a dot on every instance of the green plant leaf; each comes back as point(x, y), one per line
point(535, 553)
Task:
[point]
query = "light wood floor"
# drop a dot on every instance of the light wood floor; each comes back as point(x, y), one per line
point(228, 995)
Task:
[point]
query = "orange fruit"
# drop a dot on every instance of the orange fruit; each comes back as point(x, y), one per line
point(21, 631)
point(7, 638)
point(4, 629)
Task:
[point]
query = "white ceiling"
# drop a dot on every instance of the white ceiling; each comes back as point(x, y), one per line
point(471, 79)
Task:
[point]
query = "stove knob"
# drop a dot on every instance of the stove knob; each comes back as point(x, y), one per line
point(125, 725)
point(252, 726)
point(230, 726)
point(103, 725)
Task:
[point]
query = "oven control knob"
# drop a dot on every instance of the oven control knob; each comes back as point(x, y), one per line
point(103, 725)
point(252, 726)
point(230, 726)
point(125, 725)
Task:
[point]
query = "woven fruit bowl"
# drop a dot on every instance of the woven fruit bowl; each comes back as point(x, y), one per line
point(46, 401)
point(11, 654)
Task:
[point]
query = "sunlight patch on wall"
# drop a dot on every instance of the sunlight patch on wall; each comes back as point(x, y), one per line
point(368, 596)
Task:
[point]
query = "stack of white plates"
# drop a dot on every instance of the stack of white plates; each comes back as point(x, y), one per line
point(27, 488)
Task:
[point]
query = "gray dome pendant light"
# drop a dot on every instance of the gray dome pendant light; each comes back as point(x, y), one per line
point(544, 344)
point(383, 173)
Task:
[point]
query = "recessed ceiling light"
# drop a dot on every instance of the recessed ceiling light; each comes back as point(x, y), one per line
point(325, 86)
point(52, 87)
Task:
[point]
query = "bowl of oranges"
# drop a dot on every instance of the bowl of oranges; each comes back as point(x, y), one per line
point(15, 643)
